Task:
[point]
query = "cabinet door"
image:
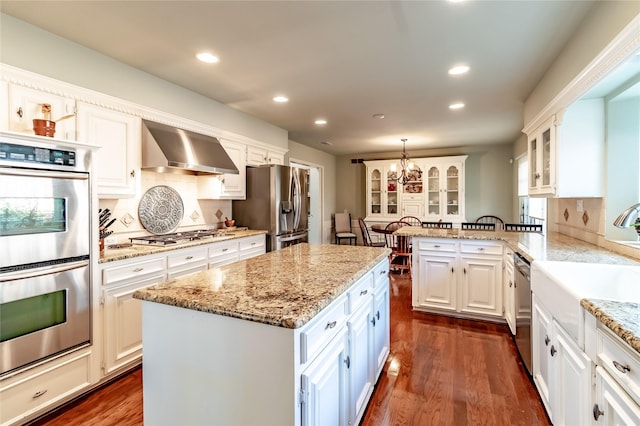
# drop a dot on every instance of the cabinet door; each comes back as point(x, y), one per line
point(275, 158)
point(571, 386)
point(324, 386)
point(256, 156)
point(540, 346)
point(123, 324)
point(381, 325)
point(4, 106)
point(392, 191)
point(434, 202)
point(117, 163)
point(412, 208)
point(435, 286)
point(613, 405)
point(226, 186)
point(374, 191)
point(452, 192)
point(542, 158)
point(26, 104)
point(481, 286)
point(360, 355)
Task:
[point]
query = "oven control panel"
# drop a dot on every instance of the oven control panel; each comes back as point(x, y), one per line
point(39, 155)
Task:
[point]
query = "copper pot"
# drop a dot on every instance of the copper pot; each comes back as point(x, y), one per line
point(44, 127)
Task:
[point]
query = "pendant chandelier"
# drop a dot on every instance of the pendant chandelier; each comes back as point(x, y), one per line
point(408, 170)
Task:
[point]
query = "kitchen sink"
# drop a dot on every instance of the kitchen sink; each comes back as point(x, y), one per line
point(561, 285)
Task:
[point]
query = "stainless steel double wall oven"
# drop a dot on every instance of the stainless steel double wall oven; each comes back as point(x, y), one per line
point(45, 300)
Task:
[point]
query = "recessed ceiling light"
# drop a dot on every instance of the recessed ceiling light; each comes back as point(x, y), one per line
point(459, 69)
point(456, 105)
point(321, 121)
point(378, 116)
point(207, 58)
point(280, 99)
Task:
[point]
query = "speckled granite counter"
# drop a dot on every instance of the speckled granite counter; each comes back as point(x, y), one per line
point(111, 255)
point(286, 288)
point(622, 318)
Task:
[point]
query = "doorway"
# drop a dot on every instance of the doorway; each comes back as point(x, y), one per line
point(315, 199)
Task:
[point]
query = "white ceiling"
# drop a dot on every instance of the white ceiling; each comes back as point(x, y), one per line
point(339, 60)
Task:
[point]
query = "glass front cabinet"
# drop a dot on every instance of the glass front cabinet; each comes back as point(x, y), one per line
point(435, 190)
point(541, 159)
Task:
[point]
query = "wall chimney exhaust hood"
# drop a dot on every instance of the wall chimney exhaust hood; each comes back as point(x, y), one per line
point(167, 149)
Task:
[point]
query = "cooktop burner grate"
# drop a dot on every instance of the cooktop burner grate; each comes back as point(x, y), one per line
point(178, 237)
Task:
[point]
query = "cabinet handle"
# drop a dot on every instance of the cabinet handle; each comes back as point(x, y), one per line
point(621, 367)
point(510, 284)
point(330, 325)
point(133, 173)
point(225, 249)
point(464, 270)
point(138, 269)
point(348, 361)
point(189, 257)
point(480, 248)
point(20, 112)
point(437, 246)
point(383, 272)
point(378, 315)
point(452, 270)
point(546, 340)
point(363, 292)
point(253, 244)
point(597, 412)
point(553, 350)
point(373, 321)
point(39, 394)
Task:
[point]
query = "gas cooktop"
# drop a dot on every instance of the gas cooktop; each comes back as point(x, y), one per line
point(179, 237)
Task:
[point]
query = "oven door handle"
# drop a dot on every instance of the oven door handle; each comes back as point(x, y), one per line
point(45, 270)
point(44, 174)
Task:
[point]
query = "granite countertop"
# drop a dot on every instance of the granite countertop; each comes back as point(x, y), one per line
point(285, 288)
point(111, 255)
point(622, 318)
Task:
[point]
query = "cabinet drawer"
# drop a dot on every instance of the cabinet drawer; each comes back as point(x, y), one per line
point(252, 243)
point(321, 330)
point(620, 361)
point(360, 292)
point(381, 274)
point(436, 245)
point(477, 247)
point(38, 391)
point(187, 258)
point(223, 249)
point(133, 270)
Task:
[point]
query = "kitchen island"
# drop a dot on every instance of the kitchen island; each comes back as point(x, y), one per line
point(296, 336)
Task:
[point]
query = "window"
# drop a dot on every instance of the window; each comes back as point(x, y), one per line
point(531, 210)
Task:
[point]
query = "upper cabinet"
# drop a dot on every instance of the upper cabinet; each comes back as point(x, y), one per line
point(566, 153)
point(117, 162)
point(226, 186)
point(26, 103)
point(435, 193)
point(257, 156)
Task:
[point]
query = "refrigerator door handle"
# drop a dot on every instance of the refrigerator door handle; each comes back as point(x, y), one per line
point(297, 205)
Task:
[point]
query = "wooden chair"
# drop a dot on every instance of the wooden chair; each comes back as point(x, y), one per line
point(491, 219)
point(400, 257)
point(342, 225)
point(412, 220)
point(366, 238)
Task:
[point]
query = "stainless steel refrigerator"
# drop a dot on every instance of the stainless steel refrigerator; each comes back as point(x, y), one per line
point(277, 201)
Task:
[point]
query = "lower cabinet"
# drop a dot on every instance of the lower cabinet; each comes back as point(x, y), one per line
point(562, 372)
point(461, 277)
point(613, 405)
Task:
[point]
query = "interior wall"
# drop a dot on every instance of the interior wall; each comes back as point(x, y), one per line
point(30, 48)
point(488, 179)
point(604, 22)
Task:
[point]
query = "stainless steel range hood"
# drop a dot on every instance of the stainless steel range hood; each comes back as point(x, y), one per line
point(167, 149)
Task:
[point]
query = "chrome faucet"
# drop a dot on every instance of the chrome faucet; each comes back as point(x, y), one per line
point(625, 218)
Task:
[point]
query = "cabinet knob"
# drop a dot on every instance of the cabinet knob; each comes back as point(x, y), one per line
point(363, 292)
point(138, 270)
point(348, 361)
point(510, 283)
point(597, 412)
point(373, 321)
point(330, 325)
point(133, 173)
point(189, 257)
point(553, 350)
point(437, 246)
point(20, 112)
point(378, 315)
point(546, 340)
point(480, 248)
point(621, 367)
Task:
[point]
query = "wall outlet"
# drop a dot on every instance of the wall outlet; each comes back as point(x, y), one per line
point(110, 240)
point(579, 206)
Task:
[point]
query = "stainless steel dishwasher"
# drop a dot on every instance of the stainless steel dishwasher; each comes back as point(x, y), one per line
point(523, 308)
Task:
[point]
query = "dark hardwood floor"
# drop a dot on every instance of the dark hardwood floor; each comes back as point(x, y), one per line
point(441, 371)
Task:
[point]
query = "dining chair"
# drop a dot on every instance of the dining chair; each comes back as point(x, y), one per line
point(491, 219)
point(412, 220)
point(342, 226)
point(400, 245)
point(366, 238)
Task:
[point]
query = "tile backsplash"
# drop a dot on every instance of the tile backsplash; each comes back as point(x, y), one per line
point(197, 213)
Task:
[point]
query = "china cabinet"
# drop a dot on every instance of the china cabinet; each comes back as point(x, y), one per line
point(445, 189)
point(383, 190)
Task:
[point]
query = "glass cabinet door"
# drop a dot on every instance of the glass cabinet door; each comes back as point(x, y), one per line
point(533, 163)
point(376, 191)
point(452, 191)
point(546, 158)
point(392, 193)
point(433, 192)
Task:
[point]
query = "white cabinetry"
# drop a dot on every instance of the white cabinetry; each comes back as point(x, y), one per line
point(383, 191)
point(227, 186)
point(444, 180)
point(509, 290)
point(562, 372)
point(556, 144)
point(117, 165)
point(462, 277)
point(257, 156)
point(26, 103)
